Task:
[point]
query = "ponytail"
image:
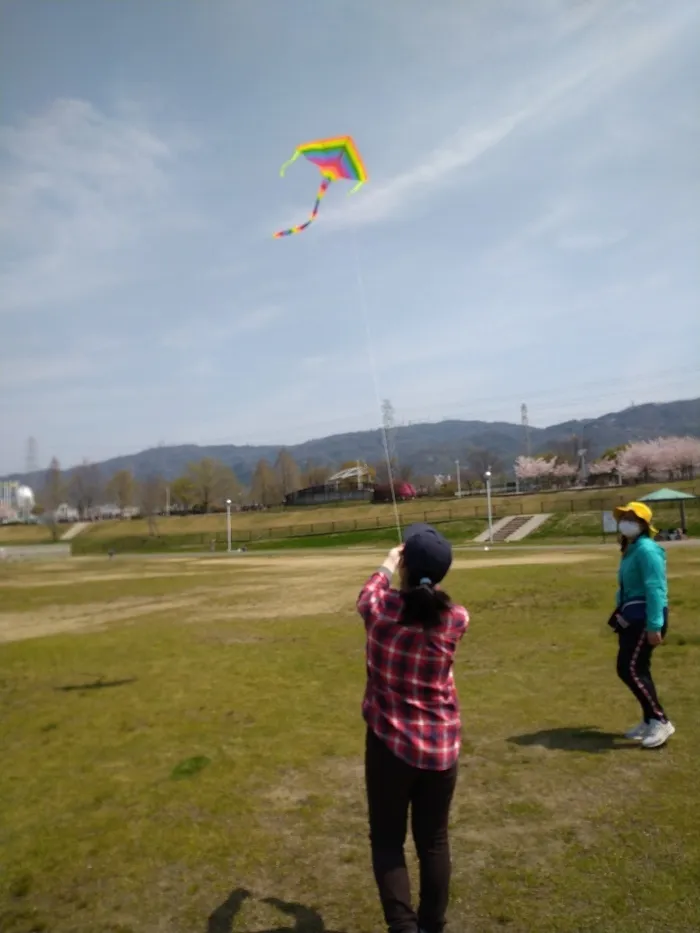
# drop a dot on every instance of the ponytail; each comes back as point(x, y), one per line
point(425, 606)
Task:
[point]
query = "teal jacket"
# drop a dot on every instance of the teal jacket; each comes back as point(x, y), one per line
point(642, 575)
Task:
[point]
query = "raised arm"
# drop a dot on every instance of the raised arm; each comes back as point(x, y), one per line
point(373, 593)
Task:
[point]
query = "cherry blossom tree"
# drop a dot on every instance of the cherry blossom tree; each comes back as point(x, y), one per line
point(534, 469)
point(681, 456)
point(565, 472)
point(602, 467)
point(665, 458)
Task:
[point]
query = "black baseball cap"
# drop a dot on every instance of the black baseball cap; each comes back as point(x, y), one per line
point(426, 554)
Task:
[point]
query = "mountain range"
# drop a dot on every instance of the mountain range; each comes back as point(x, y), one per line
point(428, 448)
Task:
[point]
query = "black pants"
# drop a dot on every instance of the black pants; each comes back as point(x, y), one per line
point(393, 786)
point(634, 669)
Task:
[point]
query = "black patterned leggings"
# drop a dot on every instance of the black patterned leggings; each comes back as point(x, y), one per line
point(392, 787)
point(634, 669)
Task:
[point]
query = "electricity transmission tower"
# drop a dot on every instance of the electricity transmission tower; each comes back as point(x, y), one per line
point(389, 429)
point(31, 463)
point(525, 421)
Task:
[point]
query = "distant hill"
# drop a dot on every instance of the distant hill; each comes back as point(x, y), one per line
point(428, 448)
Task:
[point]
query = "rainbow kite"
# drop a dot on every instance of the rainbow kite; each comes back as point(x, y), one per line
point(336, 158)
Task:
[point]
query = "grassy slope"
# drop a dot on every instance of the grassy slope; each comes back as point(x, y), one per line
point(466, 519)
point(588, 524)
point(465, 515)
point(26, 534)
point(256, 687)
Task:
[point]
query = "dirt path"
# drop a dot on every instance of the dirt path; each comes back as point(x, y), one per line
point(243, 591)
point(337, 561)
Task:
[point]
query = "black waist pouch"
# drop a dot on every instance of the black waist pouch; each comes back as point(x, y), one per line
point(632, 615)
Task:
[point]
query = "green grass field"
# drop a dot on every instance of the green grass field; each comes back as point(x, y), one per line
point(177, 731)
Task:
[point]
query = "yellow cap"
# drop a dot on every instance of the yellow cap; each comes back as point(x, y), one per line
point(640, 510)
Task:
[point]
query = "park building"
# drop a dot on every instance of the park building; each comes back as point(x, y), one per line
point(354, 484)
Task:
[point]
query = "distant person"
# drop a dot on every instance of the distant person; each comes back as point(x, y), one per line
point(641, 618)
point(413, 724)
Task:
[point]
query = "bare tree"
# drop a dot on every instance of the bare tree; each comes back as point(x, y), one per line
point(183, 492)
point(288, 473)
point(481, 459)
point(315, 474)
point(52, 496)
point(121, 488)
point(265, 487)
point(151, 501)
point(212, 481)
point(84, 487)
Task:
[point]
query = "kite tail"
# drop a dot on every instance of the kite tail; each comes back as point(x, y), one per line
point(320, 194)
point(289, 162)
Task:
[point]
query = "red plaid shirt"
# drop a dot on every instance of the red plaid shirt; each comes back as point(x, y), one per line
point(411, 701)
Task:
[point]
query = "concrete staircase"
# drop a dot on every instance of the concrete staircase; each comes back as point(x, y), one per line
point(74, 531)
point(497, 526)
point(532, 524)
point(512, 528)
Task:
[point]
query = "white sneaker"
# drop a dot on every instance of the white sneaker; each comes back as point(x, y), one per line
point(659, 733)
point(638, 733)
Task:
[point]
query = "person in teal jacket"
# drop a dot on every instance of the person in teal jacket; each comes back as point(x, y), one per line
point(641, 618)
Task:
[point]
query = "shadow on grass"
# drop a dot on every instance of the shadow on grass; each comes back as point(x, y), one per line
point(305, 920)
point(578, 739)
point(97, 685)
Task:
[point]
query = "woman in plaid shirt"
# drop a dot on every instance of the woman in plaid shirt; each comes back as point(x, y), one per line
point(413, 724)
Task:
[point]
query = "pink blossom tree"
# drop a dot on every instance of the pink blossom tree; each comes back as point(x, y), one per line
point(680, 456)
point(665, 458)
point(565, 473)
point(602, 467)
point(536, 470)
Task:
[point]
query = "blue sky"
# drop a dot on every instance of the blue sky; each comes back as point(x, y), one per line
point(530, 231)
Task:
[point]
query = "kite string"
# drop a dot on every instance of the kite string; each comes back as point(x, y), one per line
point(373, 366)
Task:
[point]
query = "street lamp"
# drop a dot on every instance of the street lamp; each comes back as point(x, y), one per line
point(487, 477)
point(459, 481)
point(228, 525)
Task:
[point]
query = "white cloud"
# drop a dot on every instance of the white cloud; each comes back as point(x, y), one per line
point(222, 328)
point(81, 190)
point(59, 365)
point(624, 46)
point(17, 374)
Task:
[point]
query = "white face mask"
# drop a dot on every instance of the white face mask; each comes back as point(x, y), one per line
point(630, 529)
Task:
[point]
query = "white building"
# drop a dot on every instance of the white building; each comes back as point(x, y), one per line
point(16, 502)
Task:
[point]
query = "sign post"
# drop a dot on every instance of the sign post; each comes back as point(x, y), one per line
point(609, 525)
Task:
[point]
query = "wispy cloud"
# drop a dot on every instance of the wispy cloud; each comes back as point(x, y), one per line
point(59, 365)
point(575, 83)
point(81, 191)
point(226, 326)
point(18, 374)
point(592, 240)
